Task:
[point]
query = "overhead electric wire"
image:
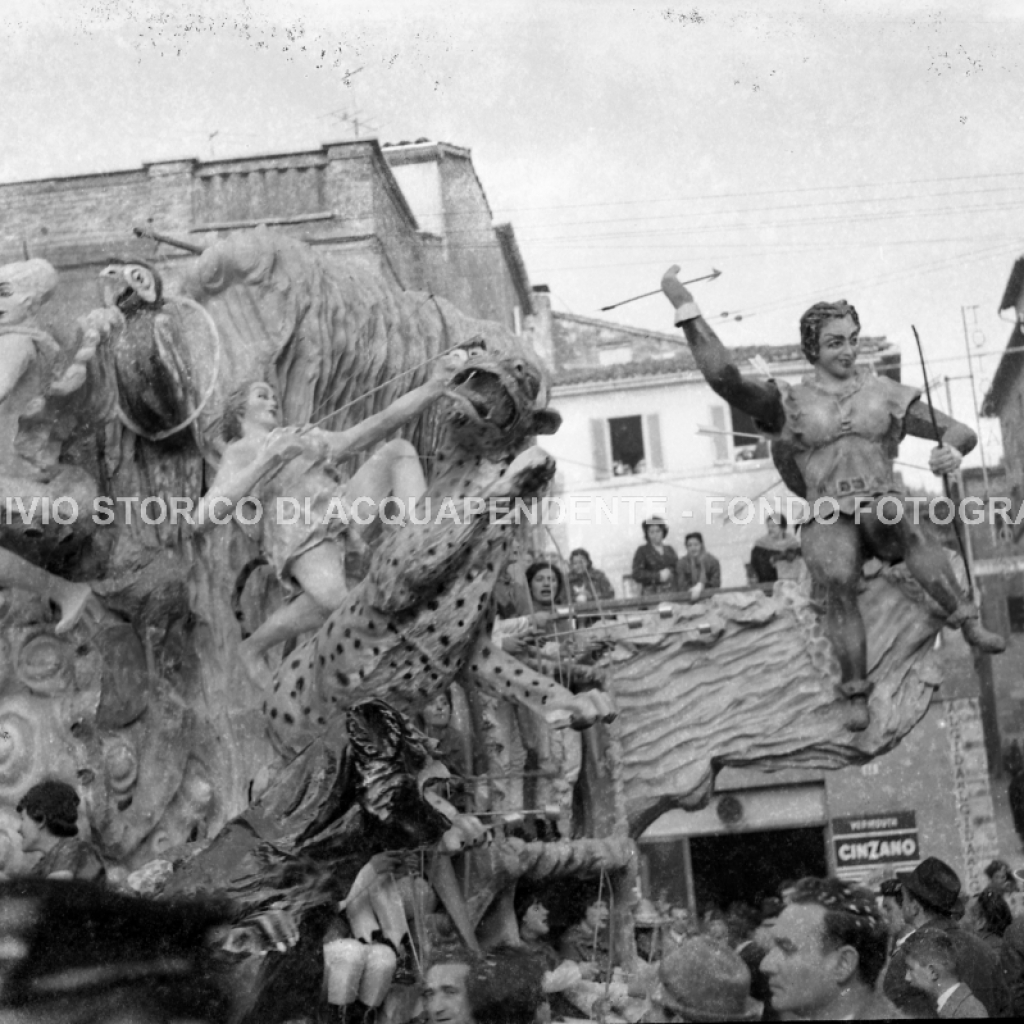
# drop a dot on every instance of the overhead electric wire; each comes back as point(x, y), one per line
point(788, 206)
point(675, 198)
point(906, 272)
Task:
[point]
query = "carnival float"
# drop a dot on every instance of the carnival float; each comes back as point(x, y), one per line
point(277, 777)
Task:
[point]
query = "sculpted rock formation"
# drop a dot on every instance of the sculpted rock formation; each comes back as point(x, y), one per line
point(745, 679)
point(145, 704)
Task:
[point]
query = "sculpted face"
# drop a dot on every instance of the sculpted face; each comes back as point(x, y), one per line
point(14, 306)
point(24, 287)
point(261, 408)
point(837, 352)
point(129, 286)
point(445, 994)
point(499, 398)
point(438, 713)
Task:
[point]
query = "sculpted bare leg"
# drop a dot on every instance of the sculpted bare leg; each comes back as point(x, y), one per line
point(394, 471)
point(832, 552)
point(321, 575)
point(931, 567)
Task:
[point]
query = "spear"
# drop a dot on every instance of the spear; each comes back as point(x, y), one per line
point(167, 240)
point(693, 280)
point(945, 478)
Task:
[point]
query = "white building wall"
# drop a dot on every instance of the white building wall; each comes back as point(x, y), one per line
point(421, 184)
point(604, 515)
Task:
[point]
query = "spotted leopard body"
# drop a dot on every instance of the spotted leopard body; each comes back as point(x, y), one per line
point(422, 617)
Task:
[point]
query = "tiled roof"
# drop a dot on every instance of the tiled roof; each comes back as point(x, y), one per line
point(683, 362)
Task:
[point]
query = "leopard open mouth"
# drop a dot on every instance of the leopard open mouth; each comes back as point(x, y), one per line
point(483, 392)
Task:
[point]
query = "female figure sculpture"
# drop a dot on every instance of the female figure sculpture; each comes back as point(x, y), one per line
point(300, 463)
point(28, 455)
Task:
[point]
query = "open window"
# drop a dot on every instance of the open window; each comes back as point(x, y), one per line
point(626, 446)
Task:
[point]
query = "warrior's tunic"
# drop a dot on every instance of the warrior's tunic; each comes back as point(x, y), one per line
point(841, 444)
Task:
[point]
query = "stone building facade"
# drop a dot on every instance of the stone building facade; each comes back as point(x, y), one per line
point(346, 199)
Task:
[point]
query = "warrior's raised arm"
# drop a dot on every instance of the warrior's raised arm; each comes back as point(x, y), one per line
point(759, 399)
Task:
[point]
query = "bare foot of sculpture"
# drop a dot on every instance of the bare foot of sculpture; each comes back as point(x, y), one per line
point(981, 638)
point(72, 600)
point(857, 715)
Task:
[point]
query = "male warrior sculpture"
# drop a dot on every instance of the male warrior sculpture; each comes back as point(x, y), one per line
point(835, 436)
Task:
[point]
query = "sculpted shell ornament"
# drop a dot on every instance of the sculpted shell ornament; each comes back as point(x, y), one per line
point(122, 765)
point(45, 665)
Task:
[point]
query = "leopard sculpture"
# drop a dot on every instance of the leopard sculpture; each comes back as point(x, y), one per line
point(421, 619)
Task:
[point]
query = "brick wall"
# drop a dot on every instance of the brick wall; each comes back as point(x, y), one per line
point(341, 198)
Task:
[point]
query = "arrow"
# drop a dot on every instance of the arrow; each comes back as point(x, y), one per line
point(693, 280)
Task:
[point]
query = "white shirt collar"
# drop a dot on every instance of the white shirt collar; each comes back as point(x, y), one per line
point(944, 997)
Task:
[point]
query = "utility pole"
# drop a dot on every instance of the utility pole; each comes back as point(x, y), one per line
point(974, 397)
point(983, 662)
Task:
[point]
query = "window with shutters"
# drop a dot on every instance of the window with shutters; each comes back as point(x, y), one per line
point(626, 446)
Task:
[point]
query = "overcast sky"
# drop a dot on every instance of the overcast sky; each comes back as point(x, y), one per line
point(808, 150)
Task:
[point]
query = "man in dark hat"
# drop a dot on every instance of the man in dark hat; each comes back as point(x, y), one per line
point(930, 895)
point(654, 564)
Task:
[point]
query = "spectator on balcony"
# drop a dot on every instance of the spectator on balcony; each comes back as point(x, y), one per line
point(654, 564)
point(585, 582)
point(698, 570)
point(775, 553)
